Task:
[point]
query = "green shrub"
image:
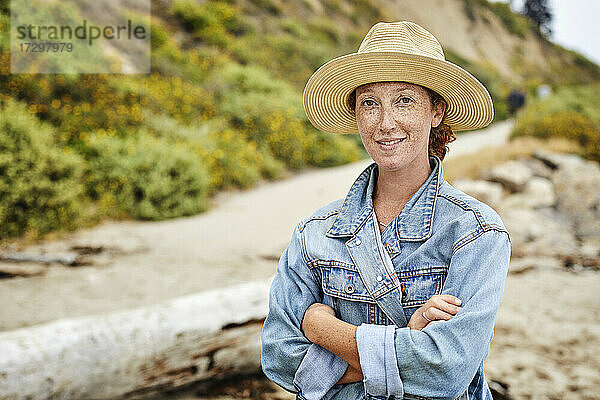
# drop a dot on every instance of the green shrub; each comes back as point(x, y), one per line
point(269, 112)
point(293, 54)
point(287, 134)
point(41, 187)
point(230, 159)
point(145, 177)
point(329, 150)
point(158, 35)
point(214, 21)
point(233, 161)
point(4, 29)
point(568, 124)
point(571, 113)
point(366, 11)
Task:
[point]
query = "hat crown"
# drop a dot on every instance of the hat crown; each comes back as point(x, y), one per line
point(404, 37)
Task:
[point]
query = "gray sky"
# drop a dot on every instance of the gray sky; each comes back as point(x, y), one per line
point(575, 25)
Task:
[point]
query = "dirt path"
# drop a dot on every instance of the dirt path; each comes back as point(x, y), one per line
point(238, 240)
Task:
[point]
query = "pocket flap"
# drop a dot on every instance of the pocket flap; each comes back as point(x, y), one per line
point(418, 285)
point(346, 284)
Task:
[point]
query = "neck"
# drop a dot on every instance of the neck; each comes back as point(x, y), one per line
point(395, 187)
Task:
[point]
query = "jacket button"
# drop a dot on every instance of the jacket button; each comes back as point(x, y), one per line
point(379, 278)
point(357, 241)
point(349, 288)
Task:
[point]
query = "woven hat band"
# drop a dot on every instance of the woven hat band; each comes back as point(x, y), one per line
point(402, 37)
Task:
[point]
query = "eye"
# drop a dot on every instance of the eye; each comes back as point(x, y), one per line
point(368, 102)
point(405, 100)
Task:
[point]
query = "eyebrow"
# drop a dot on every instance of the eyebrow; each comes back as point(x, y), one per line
point(369, 91)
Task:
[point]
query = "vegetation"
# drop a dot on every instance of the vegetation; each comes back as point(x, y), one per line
point(488, 75)
point(515, 23)
point(471, 166)
point(535, 14)
point(144, 177)
point(41, 187)
point(571, 113)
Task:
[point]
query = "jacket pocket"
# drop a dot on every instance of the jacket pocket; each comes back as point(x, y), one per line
point(418, 285)
point(343, 281)
point(344, 289)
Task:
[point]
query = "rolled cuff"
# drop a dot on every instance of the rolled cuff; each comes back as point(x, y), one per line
point(377, 353)
point(318, 372)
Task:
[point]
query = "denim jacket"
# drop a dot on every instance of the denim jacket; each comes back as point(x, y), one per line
point(442, 242)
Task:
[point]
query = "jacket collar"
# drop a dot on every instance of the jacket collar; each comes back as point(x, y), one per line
point(414, 221)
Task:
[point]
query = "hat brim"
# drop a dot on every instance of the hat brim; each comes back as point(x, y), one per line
point(326, 92)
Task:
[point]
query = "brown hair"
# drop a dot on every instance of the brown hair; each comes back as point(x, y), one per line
point(439, 136)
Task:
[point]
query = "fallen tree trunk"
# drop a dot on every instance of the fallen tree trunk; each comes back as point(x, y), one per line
point(16, 257)
point(207, 335)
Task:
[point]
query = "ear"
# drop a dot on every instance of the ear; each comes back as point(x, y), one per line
point(438, 114)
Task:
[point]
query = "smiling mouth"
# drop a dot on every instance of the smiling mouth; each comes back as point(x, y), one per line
point(391, 142)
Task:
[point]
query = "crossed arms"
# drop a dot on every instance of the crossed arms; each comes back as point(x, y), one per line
point(437, 361)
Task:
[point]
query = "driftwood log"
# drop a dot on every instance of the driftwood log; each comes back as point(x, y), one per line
point(132, 353)
point(17, 257)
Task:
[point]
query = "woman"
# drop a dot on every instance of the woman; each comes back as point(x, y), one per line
point(392, 291)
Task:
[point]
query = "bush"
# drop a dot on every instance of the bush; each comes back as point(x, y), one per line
point(41, 187)
point(233, 161)
point(568, 124)
point(145, 177)
point(269, 112)
point(329, 150)
point(295, 52)
point(213, 22)
point(571, 113)
point(285, 133)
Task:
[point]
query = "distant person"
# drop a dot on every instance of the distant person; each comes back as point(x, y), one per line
point(391, 292)
point(516, 100)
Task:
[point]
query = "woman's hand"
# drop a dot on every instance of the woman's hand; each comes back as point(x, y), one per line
point(312, 317)
point(437, 308)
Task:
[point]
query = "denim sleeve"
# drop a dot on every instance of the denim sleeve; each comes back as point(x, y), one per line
point(441, 360)
point(288, 358)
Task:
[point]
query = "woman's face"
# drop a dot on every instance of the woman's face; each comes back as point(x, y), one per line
point(394, 120)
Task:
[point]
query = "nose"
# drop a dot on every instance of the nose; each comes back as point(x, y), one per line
point(388, 122)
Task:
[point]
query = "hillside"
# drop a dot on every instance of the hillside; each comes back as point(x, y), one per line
point(222, 107)
point(490, 40)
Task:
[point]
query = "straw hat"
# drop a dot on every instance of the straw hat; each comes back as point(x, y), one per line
point(397, 51)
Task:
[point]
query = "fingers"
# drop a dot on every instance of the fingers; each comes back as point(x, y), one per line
point(436, 308)
point(434, 314)
point(448, 298)
point(445, 303)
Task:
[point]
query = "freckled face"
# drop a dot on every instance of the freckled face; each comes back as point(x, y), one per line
point(394, 120)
